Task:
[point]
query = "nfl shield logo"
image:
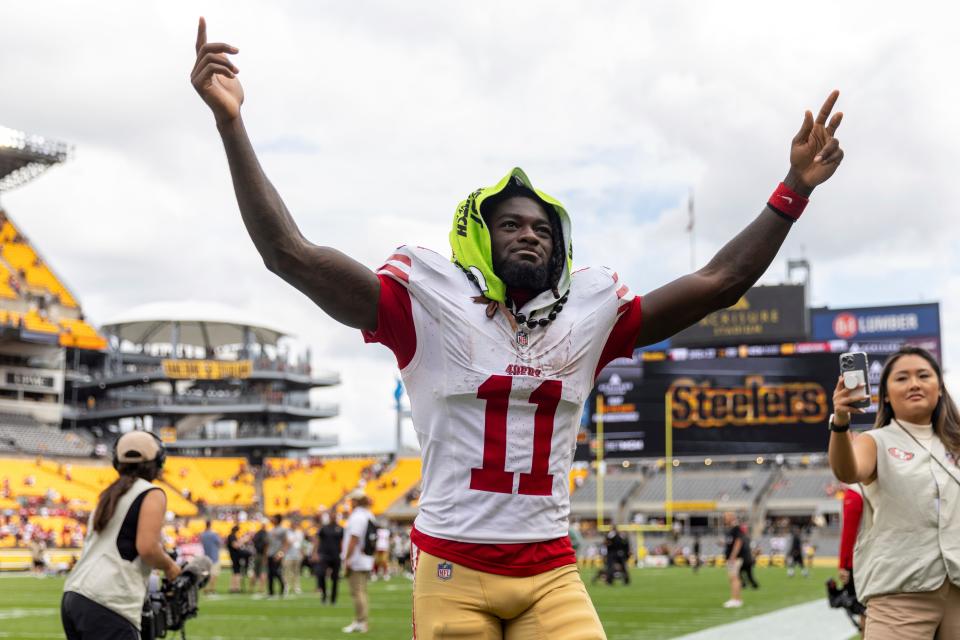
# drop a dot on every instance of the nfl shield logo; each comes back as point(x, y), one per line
point(522, 338)
point(444, 570)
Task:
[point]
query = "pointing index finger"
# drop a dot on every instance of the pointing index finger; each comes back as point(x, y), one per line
point(827, 107)
point(201, 33)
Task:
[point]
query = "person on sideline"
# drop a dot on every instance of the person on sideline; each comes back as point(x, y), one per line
point(103, 596)
point(381, 559)
point(292, 560)
point(795, 556)
point(358, 563)
point(327, 555)
point(618, 556)
point(733, 544)
point(259, 541)
point(277, 546)
point(907, 557)
point(695, 561)
point(239, 559)
point(211, 543)
point(747, 560)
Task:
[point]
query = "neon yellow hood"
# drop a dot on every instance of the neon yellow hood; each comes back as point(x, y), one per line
point(470, 237)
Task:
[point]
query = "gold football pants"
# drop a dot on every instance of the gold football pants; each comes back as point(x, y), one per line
point(466, 604)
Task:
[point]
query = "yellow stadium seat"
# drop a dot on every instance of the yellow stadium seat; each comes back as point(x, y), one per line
point(307, 489)
point(33, 321)
point(5, 289)
point(393, 484)
point(22, 257)
point(217, 481)
point(77, 333)
point(7, 232)
point(82, 491)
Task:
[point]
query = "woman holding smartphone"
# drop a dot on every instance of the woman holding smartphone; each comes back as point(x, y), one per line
point(906, 562)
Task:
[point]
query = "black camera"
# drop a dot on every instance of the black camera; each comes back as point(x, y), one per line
point(169, 607)
point(845, 598)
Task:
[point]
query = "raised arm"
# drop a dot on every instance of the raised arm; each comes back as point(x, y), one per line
point(815, 155)
point(345, 289)
point(851, 459)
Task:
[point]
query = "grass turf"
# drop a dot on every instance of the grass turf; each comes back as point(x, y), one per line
point(658, 603)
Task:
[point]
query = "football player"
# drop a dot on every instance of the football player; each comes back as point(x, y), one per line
point(499, 348)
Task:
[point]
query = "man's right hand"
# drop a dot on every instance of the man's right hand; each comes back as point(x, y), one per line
point(214, 77)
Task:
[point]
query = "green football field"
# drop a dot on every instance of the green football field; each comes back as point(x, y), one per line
point(659, 603)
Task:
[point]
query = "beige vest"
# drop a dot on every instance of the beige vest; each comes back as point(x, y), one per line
point(909, 540)
point(102, 575)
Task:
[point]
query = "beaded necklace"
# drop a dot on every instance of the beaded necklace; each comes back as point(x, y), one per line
point(520, 322)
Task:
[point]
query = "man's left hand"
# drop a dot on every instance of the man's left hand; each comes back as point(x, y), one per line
point(815, 153)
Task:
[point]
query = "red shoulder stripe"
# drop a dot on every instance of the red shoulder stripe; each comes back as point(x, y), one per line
point(399, 257)
point(396, 271)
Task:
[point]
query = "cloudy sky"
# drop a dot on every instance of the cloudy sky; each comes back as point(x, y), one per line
point(374, 119)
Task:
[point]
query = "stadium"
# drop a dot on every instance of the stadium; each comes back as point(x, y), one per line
point(229, 396)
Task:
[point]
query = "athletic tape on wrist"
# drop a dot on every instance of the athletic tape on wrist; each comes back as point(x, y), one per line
point(787, 202)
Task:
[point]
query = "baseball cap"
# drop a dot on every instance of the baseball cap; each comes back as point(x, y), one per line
point(137, 446)
point(358, 494)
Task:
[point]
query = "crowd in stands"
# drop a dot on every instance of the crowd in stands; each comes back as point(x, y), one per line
point(44, 305)
point(55, 497)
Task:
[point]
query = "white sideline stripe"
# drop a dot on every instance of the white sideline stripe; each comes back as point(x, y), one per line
point(13, 614)
point(800, 622)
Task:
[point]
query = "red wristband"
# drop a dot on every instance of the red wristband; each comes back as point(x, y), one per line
point(787, 202)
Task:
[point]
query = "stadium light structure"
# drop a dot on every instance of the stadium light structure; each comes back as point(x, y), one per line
point(24, 156)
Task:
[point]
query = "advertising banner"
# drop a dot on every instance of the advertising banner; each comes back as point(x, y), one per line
point(207, 369)
point(876, 323)
point(764, 314)
point(720, 406)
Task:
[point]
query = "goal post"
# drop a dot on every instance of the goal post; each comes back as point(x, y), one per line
point(602, 525)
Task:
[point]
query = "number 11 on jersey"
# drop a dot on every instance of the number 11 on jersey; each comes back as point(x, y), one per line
point(493, 476)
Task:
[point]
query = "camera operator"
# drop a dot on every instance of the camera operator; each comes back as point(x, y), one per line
point(103, 596)
point(850, 525)
point(907, 558)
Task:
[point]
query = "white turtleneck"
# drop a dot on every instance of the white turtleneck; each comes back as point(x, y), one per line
point(922, 432)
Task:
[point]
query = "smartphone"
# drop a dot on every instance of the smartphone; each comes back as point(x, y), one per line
point(853, 368)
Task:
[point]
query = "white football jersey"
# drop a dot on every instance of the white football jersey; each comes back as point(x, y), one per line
point(496, 413)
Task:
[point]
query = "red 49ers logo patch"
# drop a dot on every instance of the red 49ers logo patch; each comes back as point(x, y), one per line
point(900, 454)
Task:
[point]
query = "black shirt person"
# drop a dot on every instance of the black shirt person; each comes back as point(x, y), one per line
point(327, 555)
point(618, 550)
point(747, 562)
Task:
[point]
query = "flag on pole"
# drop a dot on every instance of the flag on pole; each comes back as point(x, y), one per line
point(690, 212)
point(398, 392)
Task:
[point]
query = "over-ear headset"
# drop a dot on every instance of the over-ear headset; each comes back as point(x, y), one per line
point(161, 453)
